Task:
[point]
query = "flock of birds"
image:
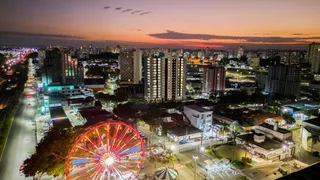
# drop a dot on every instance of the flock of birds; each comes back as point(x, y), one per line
point(140, 12)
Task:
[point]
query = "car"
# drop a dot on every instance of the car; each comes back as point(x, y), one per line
point(21, 167)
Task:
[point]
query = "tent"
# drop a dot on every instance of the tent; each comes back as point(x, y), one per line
point(166, 174)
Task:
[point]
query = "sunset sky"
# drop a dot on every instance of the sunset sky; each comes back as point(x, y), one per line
point(173, 23)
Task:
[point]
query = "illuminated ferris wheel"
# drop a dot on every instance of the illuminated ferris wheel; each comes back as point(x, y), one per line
point(112, 151)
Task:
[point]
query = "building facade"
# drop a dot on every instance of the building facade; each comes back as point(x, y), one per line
point(165, 77)
point(52, 66)
point(284, 80)
point(130, 66)
point(240, 52)
point(313, 57)
point(199, 117)
point(214, 79)
point(72, 71)
point(60, 67)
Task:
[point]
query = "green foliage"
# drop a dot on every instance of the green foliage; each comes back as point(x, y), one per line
point(246, 160)
point(288, 118)
point(32, 55)
point(51, 153)
point(125, 111)
point(238, 164)
point(234, 98)
point(106, 98)
point(224, 61)
point(2, 58)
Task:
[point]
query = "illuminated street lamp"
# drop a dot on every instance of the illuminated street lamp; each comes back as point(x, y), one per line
point(202, 149)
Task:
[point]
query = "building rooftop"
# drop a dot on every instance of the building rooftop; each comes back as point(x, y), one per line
point(315, 121)
point(61, 123)
point(94, 115)
point(309, 173)
point(197, 108)
point(57, 113)
point(280, 130)
point(268, 144)
point(181, 131)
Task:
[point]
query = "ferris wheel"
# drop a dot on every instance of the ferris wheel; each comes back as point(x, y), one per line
point(107, 151)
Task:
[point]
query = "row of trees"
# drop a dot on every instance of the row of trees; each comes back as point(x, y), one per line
point(166, 156)
point(51, 153)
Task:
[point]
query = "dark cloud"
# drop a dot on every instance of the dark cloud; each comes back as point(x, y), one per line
point(144, 13)
point(37, 35)
point(136, 11)
point(134, 29)
point(118, 8)
point(254, 39)
point(127, 10)
point(107, 7)
point(300, 34)
point(42, 42)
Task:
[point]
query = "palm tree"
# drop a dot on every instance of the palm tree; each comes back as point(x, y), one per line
point(314, 140)
point(235, 132)
point(224, 128)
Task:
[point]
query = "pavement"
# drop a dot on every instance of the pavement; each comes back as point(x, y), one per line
point(21, 140)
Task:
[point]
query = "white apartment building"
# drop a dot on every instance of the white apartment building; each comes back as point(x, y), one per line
point(165, 77)
point(199, 117)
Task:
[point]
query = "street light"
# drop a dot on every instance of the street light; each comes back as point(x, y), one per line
point(202, 149)
point(195, 166)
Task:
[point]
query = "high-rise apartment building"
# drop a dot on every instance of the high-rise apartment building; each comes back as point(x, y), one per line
point(284, 80)
point(130, 66)
point(313, 57)
point(52, 66)
point(165, 77)
point(153, 78)
point(240, 52)
point(72, 70)
point(214, 79)
point(60, 67)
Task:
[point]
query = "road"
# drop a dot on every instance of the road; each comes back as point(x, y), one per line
point(21, 140)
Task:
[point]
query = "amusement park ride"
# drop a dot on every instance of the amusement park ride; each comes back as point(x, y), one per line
point(107, 151)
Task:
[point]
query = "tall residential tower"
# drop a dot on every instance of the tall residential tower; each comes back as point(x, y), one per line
point(313, 57)
point(165, 77)
point(130, 66)
point(214, 79)
point(284, 80)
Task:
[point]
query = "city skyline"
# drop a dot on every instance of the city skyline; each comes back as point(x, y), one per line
point(193, 24)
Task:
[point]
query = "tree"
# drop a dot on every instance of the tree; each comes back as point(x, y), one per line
point(315, 96)
point(224, 128)
point(171, 159)
point(51, 153)
point(235, 132)
point(2, 58)
point(288, 118)
point(235, 97)
point(125, 111)
point(224, 61)
point(314, 140)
